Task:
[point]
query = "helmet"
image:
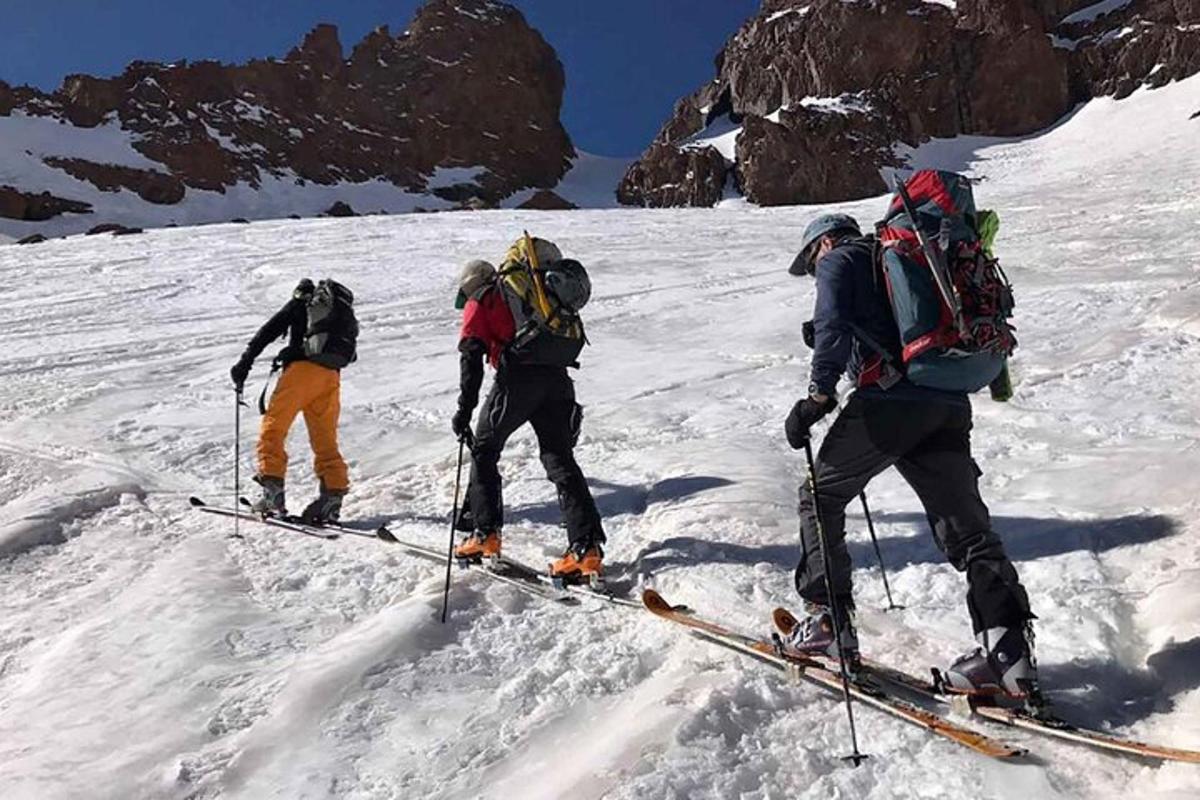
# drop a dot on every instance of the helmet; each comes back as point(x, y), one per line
point(823, 225)
point(568, 281)
point(475, 276)
point(545, 250)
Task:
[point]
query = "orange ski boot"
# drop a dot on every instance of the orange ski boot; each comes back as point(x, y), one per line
point(479, 546)
point(574, 567)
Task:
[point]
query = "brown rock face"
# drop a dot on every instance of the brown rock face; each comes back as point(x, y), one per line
point(824, 89)
point(825, 157)
point(30, 207)
point(670, 176)
point(1018, 83)
point(469, 84)
point(153, 187)
point(1152, 42)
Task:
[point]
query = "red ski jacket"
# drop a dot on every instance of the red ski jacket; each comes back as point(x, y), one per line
point(488, 320)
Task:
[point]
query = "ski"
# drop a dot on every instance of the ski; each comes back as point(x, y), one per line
point(503, 570)
point(1044, 722)
point(503, 565)
point(819, 675)
point(283, 524)
point(1018, 717)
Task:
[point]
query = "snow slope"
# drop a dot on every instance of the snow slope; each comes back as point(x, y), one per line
point(143, 653)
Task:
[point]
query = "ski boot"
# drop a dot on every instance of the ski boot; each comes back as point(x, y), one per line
point(272, 503)
point(479, 547)
point(326, 509)
point(1002, 668)
point(812, 637)
point(579, 565)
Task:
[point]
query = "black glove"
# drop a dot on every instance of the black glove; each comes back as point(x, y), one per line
point(239, 373)
point(805, 414)
point(461, 425)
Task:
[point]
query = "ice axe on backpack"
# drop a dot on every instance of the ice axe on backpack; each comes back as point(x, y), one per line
point(937, 263)
point(539, 289)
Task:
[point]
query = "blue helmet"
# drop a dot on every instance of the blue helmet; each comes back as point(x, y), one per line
point(823, 225)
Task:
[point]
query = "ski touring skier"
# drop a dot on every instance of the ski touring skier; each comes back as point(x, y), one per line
point(322, 333)
point(523, 320)
point(890, 420)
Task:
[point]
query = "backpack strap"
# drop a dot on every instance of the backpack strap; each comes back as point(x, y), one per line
point(889, 373)
point(276, 366)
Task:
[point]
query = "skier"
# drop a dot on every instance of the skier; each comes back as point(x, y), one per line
point(925, 434)
point(322, 332)
point(531, 385)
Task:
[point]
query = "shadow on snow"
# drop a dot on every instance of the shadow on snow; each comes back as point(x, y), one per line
point(1025, 539)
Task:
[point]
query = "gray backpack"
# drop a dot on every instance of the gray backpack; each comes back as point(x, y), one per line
point(331, 336)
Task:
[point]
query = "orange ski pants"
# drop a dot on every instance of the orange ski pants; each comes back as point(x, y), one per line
point(316, 391)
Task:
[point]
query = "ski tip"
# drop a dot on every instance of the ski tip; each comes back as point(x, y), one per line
point(785, 621)
point(196, 502)
point(654, 601)
point(385, 535)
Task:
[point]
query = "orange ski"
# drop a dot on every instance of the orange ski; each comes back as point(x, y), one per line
point(817, 674)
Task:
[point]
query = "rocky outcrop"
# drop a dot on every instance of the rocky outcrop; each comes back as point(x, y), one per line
point(31, 207)
point(340, 209)
point(674, 176)
point(1147, 43)
point(824, 90)
point(114, 228)
point(468, 84)
point(546, 200)
point(153, 187)
point(821, 156)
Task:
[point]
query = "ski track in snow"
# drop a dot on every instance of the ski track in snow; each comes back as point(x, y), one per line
point(143, 653)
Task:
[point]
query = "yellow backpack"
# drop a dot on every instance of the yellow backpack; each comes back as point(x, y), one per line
point(547, 332)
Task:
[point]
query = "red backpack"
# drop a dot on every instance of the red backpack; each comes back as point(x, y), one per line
point(952, 302)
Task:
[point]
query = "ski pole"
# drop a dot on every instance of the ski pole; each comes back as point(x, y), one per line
point(237, 459)
point(882, 569)
point(835, 608)
point(462, 444)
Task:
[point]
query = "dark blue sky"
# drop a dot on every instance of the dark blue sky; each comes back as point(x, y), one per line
point(627, 61)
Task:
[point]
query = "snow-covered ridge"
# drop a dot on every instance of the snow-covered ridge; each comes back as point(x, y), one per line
point(340, 123)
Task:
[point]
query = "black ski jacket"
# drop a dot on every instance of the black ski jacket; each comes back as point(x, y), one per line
point(290, 321)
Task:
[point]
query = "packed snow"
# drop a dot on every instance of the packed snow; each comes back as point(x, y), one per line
point(144, 653)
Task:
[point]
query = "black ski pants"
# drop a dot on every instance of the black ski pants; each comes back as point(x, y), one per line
point(929, 442)
point(545, 398)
